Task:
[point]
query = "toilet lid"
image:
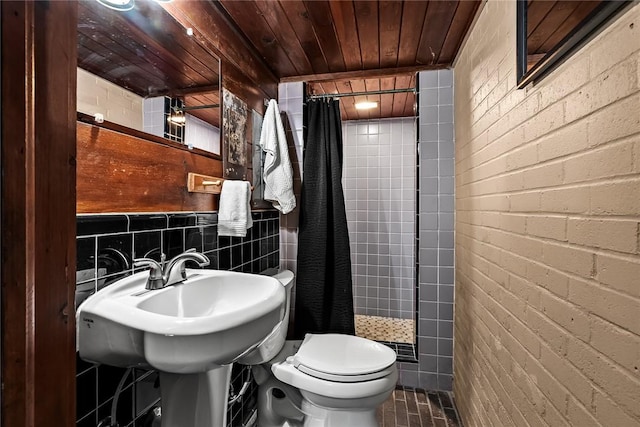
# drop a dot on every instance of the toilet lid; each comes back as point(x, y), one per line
point(338, 357)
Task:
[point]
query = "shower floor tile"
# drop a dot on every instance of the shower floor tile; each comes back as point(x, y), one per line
point(388, 329)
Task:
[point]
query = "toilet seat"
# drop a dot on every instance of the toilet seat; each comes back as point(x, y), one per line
point(343, 358)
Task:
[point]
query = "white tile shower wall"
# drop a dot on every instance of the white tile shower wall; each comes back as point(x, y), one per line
point(379, 176)
point(290, 102)
point(201, 134)
point(435, 234)
point(291, 105)
point(118, 105)
point(153, 116)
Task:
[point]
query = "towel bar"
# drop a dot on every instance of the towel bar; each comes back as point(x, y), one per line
point(197, 183)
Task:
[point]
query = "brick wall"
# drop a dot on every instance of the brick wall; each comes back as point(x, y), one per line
point(117, 105)
point(547, 317)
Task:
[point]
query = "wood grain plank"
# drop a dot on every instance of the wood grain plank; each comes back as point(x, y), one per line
point(160, 170)
point(364, 74)
point(460, 24)
point(248, 16)
point(215, 32)
point(400, 99)
point(38, 212)
point(287, 37)
point(436, 25)
point(572, 21)
point(319, 13)
point(346, 28)
point(148, 38)
point(536, 12)
point(301, 22)
point(554, 19)
point(413, 17)
point(386, 101)
point(368, 32)
point(390, 24)
point(209, 115)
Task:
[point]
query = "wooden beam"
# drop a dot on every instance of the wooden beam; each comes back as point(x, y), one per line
point(362, 74)
point(38, 221)
point(186, 91)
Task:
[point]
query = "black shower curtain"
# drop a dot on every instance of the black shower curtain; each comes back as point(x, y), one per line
point(324, 295)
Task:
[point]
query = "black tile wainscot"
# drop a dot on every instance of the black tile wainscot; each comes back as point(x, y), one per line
point(107, 244)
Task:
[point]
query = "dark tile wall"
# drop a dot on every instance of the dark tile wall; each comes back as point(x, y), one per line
point(107, 244)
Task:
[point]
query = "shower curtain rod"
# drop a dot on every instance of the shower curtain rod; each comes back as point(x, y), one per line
point(375, 92)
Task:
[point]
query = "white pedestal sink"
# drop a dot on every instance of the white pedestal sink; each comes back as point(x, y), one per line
point(191, 332)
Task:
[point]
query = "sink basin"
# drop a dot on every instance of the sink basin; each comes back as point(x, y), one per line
point(205, 322)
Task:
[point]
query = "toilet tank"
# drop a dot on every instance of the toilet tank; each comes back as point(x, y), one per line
point(274, 342)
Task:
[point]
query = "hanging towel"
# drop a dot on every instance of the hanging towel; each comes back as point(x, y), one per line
point(234, 213)
point(277, 172)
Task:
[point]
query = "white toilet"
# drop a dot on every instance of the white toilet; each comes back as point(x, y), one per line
point(326, 380)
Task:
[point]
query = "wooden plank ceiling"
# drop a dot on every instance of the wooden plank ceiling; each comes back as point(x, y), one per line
point(379, 44)
point(400, 104)
point(320, 39)
point(146, 51)
point(548, 22)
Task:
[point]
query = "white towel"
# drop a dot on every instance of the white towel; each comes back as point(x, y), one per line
point(278, 174)
point(234, 212)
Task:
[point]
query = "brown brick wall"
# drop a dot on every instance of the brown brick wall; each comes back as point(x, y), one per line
point(547, 316)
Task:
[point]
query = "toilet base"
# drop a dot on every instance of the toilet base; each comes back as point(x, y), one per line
point(316, 416)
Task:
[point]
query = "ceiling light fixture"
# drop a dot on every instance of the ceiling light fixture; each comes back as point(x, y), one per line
point(119, 5)
point(366, 105)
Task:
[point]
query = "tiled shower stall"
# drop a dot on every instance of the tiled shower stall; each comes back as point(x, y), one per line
point(428, 158)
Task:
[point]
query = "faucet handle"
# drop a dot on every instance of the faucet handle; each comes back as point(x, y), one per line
point(156, 279)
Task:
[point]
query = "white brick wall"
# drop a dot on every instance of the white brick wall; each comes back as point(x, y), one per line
point(547, 318)
point(117, 105)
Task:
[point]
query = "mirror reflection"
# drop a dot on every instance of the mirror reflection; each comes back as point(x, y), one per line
point(549, 31)
point(143, 70)
point(549, 22)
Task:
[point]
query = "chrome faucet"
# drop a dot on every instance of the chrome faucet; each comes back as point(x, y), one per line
point(174, 270)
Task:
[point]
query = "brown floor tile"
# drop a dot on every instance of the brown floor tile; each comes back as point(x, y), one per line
point(417, 408)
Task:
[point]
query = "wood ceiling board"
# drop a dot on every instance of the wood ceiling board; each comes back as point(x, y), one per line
point(536, 12)
point(250, 18)
point(277, 19)
point(146, 41)
point(151, 33)
point(216, 32)
point(120, 67)
point(554, 19)
point(583, 9)
point(436, 26)
point(344, 20)
point(400, 99)
point(367, 21)
point(320, 14)
point(97, 64)
point(296, 12)
point(413, 17)
point(363, 74)
point(386, 101)
point(462, 21)
point(209, 115)
point(390, 16)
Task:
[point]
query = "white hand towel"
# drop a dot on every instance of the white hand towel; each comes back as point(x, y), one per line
point(278, 174)
point(234, 212)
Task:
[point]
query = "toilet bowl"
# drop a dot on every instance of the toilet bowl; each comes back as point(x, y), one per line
point(326, 380)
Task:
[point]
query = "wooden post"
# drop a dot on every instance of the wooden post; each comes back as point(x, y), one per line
point(37, 224)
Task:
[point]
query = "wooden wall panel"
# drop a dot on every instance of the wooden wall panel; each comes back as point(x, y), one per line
point(122, 173)
point(38, 213)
